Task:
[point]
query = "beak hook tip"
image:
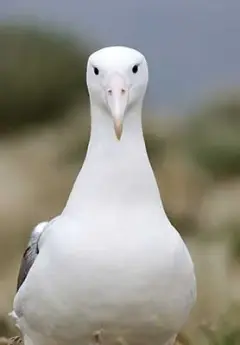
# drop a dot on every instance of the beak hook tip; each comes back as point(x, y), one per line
point(118, 129)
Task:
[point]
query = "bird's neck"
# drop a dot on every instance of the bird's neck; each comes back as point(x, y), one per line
point(103, 137)
point(114, 171)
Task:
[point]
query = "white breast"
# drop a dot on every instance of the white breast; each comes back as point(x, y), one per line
point(115, 280)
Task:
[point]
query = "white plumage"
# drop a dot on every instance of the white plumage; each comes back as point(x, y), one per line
point(111, 261)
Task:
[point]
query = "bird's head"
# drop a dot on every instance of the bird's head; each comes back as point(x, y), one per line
point(117, 79)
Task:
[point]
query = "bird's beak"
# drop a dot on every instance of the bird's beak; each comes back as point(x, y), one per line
point(117, 99)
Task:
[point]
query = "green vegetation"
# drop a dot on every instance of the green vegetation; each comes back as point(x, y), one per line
point(224, 334)
point(213, 138)
point(235, 241)
point(42, 73)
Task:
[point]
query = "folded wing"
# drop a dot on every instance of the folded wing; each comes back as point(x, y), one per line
point(30, 253)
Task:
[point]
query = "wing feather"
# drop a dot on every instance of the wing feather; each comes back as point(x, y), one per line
point(30, 253)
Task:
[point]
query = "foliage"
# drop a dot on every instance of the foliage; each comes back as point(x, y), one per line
point(155, 146)
point(224, 336)
point(235, 241)
point(41, 73)
point(213, 138)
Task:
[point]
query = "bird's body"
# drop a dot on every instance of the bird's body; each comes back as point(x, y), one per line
point(111, 261)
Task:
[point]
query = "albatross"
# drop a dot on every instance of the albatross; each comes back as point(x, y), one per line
point(111, 268)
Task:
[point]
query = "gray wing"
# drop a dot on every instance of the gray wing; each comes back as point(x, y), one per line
point(30, 253)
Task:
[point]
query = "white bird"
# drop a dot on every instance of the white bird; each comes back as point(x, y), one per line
point(111, 267)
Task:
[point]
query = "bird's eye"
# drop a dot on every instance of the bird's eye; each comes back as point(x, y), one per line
point(96, 70)
point(135, 69)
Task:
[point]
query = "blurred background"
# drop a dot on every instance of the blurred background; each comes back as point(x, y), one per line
point(191, 123)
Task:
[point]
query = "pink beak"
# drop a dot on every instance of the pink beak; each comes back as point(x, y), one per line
point(117, 98)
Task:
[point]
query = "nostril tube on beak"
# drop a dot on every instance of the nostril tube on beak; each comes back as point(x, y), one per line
point(109, 91)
